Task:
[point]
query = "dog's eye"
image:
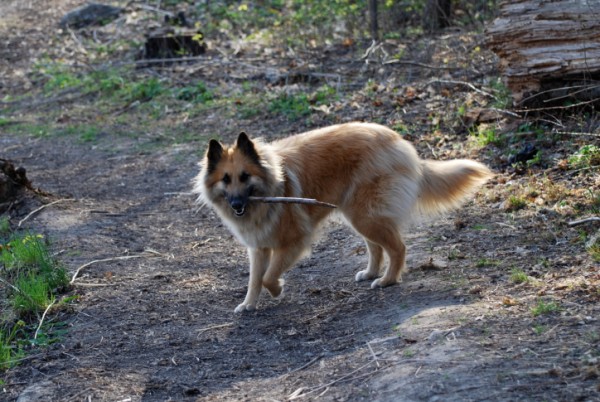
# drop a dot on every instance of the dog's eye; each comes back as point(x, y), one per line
point(226, 179)
point(244, 176)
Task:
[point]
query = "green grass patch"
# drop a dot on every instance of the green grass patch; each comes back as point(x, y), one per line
point(592, 246)
point(544, 307)
point(487, 262)
point(517, 275)
point(539, 329)
point(30, 281)
point(502, 95)
point(515, 203)
point(586, 157)
point(295, 106)
point(198, 93)
point(485, 135)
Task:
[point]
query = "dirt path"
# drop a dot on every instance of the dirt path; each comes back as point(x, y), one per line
point(162, 327)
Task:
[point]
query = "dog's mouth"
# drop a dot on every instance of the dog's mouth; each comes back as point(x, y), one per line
point(239, 211)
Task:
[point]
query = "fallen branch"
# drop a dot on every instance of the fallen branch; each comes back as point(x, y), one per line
point(292, 200)
point(200, 331)
point(301, 394)
point(35, 211)
point(123, 257)
point(585, 220)
point(305, 365)
point(42, 319)
point(467, 84)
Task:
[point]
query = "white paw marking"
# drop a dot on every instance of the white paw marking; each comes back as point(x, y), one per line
point(244, 307)
point(363, 276)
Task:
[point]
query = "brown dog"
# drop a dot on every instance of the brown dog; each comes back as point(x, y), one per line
point(374, 177)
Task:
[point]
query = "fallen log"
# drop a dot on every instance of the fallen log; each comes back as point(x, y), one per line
point(549, 51)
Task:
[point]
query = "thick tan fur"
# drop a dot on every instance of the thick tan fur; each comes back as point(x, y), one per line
point(374, 177)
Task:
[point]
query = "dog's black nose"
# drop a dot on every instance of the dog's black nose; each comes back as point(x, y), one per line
point(238, 205)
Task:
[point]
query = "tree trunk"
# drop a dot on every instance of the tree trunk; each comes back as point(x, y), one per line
point(373, 20)
point(548, 49)
point(437, 15)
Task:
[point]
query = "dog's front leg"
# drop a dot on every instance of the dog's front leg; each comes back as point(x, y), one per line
point(259, 261)
point(281, 261)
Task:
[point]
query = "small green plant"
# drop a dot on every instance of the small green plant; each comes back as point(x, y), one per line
point(536, 160)
point(30, 279)
point(10, 350)
point(486, 262)
point(408, 353)
point(33, 295)
point(34, 276)
point(502, 94)
point(544, 307)
point(4, 226)
point(89, 134)
point(539, 329)
point(515, 203)
point(454, 254)
point(141, 91)
point(593, 246)
point(517, 275)
point(293, 106)
point(587, 156)
point(485, 135)
point(196, 94)
point(59, 80)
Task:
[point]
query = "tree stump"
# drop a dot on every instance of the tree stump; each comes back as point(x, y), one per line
point(548, 50)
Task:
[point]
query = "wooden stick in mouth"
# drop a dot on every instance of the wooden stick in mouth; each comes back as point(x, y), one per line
point(292, 200)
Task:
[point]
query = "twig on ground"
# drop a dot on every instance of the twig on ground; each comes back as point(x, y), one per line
point(37, 331)
point(541, 109)
point(414, 63)
point(35, 211)
point(310, 363)
point(76, 39)
point(292, 200)
point(155, 9)
point(123, 257)
point(584, 220)
point(10, 285)
point(373, 354)
point(297, 395)
point(468, 84)
point(200, 331)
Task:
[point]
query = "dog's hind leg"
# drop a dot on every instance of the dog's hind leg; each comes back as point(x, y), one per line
point(259, 261)
point(281, 261)
point(383, 232)
point(375, 260)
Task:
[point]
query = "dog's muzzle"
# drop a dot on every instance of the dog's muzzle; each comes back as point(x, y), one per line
point(238, 206)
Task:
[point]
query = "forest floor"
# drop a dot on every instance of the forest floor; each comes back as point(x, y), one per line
point(501, 301)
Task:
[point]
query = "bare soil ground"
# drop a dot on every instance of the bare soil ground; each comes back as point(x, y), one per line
point(160, 325)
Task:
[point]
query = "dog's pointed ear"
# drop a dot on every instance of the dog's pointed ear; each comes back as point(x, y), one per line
point(214, 154)
point(246, 146)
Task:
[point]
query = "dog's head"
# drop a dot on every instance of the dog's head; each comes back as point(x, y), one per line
point(233, 174)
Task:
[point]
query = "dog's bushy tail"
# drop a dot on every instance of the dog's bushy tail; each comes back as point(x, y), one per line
point(445, 185)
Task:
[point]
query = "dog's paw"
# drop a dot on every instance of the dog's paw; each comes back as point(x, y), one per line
point(276, 288)
point(244, 307)
point(382, 283)
point(364, 276)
